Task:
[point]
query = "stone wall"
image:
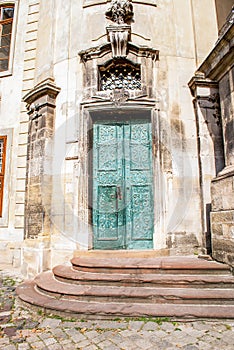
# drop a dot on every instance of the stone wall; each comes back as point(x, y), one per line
point(14, 117)
point(222, 188)
point(222, 218)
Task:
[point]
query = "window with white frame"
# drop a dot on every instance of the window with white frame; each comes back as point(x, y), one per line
point(6, 25)
point(3, 140)
point(8, 19)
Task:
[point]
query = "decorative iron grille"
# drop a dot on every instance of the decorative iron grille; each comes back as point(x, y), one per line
point(120, 77)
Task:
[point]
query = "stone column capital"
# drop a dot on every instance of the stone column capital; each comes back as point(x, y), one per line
point(201, 86)
point(46, 88)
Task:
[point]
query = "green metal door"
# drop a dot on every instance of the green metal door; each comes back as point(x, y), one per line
point(122, 185)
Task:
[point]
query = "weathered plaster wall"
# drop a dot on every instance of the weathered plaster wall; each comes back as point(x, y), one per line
point(51, 39)
point(181, 49)
point(223, 8)
point(11, 125)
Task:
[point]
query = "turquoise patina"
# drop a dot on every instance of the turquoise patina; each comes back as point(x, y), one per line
point(122, 185)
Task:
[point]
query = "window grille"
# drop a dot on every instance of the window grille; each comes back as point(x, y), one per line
point(120, 77)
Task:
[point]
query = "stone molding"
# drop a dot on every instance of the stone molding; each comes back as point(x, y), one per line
point(119, 37)
point(102, 50)
point(228, 171)
point(44, 88)
point(102, 55)
point(200, 86)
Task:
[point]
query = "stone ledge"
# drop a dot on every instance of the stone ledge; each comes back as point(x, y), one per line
point(67, 273)
point(226, 172)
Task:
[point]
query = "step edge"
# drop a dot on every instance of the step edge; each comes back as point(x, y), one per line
point(209, 311)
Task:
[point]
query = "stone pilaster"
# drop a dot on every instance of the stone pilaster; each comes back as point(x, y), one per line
point(210, 144)
point(218, 69)
point(41, 109)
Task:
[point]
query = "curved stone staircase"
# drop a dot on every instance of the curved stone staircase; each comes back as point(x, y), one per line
point(98, 286)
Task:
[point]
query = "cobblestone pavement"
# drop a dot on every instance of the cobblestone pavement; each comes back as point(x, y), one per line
point(23, 328)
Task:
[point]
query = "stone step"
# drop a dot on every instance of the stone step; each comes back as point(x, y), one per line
point(135, 286)
point(29, 294)
point(120, 265)
point(68, 274)
point(123, 253)
point(46, 283)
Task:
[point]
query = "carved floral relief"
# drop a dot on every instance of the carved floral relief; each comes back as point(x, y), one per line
point(120, 12)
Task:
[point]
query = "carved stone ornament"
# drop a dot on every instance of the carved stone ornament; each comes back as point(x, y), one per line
point(215, 99)
point(119, 96)
point(120, 11)
point(34, 110)
point(119, 37)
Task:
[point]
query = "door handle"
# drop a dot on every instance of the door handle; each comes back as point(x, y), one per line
point(119, 193)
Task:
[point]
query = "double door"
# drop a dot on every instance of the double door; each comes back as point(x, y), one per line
point(122, 185)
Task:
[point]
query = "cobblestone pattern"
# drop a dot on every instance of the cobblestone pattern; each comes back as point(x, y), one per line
point(24, 329)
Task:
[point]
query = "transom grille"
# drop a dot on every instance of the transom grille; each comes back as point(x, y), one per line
point(120, 77)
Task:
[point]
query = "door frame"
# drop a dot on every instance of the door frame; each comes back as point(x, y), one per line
point(110, 112)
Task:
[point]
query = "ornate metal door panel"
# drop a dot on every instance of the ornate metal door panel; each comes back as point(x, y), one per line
point(139, 185)
point(108, 220)
point(122, 185)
